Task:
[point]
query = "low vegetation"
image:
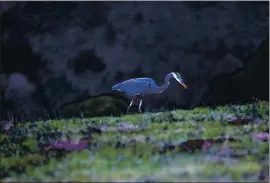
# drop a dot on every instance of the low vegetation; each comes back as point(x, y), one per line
point(95, 106)
point(227, 143)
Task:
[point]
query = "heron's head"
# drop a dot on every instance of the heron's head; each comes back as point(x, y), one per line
point(179, 79)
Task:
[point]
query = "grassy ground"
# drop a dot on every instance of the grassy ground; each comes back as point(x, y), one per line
point(227, 143)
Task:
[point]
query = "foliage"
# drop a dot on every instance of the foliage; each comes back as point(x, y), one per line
point(96, 106)
point(202, 144)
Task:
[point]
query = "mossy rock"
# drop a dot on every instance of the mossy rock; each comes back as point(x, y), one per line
point(103, 105)
point(245, 84)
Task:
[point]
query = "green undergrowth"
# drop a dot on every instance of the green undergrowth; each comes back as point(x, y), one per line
point(202, 144)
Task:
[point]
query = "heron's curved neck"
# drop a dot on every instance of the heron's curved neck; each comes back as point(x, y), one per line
point(166, 84)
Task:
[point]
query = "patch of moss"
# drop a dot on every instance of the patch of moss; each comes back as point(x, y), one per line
point(96, 106)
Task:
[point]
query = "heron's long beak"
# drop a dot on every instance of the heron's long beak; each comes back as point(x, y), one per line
point(183, 84)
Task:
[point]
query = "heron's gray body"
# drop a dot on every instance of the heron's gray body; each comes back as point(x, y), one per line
point(137, 86)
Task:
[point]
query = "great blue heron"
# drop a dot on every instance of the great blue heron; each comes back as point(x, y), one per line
point(139, 87)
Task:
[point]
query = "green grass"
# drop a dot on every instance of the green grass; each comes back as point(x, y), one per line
point(165, 146)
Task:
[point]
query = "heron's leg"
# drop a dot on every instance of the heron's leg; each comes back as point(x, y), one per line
point(140, 105)
point(133, 98)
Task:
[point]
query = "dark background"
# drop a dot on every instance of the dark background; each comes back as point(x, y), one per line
point(54, 53)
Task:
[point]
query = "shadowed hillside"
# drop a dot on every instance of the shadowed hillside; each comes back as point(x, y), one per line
point(251, 81)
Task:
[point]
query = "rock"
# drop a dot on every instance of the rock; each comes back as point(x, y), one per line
point(239, 121)
point(262, 136)
point(67, 145)
point(197, 144)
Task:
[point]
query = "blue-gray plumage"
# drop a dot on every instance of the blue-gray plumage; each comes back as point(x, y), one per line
point(145, 86)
